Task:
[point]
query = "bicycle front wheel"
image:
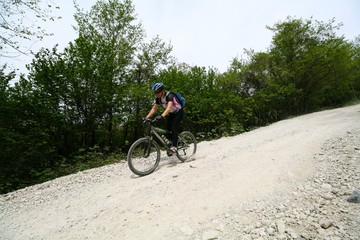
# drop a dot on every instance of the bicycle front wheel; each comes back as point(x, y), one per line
point(186, 146)
point(143, 156)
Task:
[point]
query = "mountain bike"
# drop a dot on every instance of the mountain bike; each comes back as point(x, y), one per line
point(144, 154)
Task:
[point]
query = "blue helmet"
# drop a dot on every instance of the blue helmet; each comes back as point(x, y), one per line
point(158, 87)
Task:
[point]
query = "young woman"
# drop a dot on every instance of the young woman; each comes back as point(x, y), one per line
point(172, 108)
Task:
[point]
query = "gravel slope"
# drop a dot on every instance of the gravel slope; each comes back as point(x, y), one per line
point(289, 180)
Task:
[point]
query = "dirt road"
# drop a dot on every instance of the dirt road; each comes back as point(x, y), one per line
point(112, 203)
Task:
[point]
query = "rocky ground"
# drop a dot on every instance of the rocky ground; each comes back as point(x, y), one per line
point(295, 179)
point(326, 206)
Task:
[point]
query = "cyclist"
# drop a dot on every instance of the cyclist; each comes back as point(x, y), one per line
point(173, 109)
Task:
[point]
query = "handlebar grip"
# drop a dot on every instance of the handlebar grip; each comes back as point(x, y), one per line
point(145, 121)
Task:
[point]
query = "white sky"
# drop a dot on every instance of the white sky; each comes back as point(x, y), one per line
point(211, 33)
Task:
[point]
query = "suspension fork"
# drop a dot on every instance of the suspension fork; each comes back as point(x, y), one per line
point(147, 147)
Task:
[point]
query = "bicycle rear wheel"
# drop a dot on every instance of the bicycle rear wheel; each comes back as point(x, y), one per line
point(143, 156)
point(186, 146)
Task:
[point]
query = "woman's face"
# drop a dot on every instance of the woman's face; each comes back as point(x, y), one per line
point(159, 93)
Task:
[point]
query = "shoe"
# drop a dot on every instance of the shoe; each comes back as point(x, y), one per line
point(173, 149)
point(169, 153)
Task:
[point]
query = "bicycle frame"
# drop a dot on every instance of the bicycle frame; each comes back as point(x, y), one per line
point(155, 132)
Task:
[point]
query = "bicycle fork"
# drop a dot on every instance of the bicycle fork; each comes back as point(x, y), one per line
point(147, 148)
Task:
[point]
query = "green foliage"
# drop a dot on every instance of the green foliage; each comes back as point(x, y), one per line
point(310, 56)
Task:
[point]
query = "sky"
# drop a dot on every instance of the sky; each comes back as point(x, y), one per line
point(210, 33)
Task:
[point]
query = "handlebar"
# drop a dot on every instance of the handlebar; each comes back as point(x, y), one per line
point(149, 121)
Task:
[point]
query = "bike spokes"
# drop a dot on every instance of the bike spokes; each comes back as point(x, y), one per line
point(143, 157)
point(186, 146)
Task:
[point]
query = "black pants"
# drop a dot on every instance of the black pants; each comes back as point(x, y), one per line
point(173, 124)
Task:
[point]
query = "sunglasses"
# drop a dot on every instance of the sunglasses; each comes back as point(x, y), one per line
point(158, 91)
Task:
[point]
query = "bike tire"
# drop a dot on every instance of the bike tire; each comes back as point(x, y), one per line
point(186, 147)
point(143, 156)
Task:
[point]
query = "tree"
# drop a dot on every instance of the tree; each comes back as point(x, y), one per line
point(99, 84)
point(121, 62)
point(26, 147)
point(355, 85)
point(18, 22)
point(309, 56)
point(150, 59)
